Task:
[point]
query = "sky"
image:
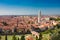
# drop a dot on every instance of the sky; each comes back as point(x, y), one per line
point(29, 7)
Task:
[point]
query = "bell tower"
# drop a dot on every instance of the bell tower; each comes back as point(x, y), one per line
point(39, 16)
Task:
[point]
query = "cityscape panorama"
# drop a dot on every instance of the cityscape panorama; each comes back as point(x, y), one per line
point(29, 19)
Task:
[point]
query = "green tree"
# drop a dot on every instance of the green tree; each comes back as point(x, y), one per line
point(4, 23)
point(56, 34)
point(18, 38)
point(14, 38)
point(58, 26)
point(0, 37)
point(51, 18)
point(55, 37)
point(23, 37)
point(40, 36)
point(6, 37)
point(36, 38)
point(47, 34)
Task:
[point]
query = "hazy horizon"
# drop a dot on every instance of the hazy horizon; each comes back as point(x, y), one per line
point(29, 7)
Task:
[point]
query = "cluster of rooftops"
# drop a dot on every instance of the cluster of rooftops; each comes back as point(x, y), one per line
point(24, 23)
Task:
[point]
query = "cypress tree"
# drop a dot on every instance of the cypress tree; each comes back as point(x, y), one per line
point(14, 38)
point(18, 38)
point(22, 37)
point(40, 36)
point(5, 37)
point(0, 37)
point(36, 38)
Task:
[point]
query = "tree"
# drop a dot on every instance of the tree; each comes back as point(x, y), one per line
point(14, 38)
point(47, 34)
point(0, 30)
point(6, 37)
point(18, 38)
point(40, 36)
point(4, 23)
point(15, 30)
point(0, 37)
point(51, 18)
point(22, 37)
point(36, 38)
point(55, 37)
point(58, 26)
